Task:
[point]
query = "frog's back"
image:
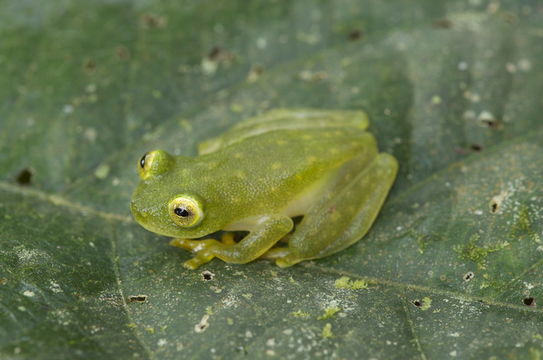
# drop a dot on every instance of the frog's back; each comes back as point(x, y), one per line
point(270, 169)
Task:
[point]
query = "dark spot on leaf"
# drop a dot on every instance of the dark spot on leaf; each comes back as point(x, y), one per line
point(442, 24)
point(122, 52)
point(24, 177)
point(202, 327)
point(417, 303)
point(476, 147)
point(137, 298)
point(355, 35)
point(468, 276)
point(494, 207)
point(153, 21)
point(215, 53)
point(89, 66)
point(529, 301)
point(491, 123)
point(207, 275)
point(219, 54)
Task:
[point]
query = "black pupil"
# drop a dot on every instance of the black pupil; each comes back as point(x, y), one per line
point(142, 161)
point(181, 211)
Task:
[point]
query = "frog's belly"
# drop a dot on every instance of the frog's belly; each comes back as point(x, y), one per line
point(305, 200)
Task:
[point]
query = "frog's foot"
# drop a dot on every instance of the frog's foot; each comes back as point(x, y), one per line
point(201, 258)
point(275, 253)
point(227, 238)
point(288, 260)
point(283, 257)
point(202, 249)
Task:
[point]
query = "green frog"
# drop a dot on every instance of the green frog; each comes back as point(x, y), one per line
point(318, 164)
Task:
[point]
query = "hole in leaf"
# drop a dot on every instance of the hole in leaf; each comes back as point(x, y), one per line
point(493, 124)
point(355, 35)
point(202, 325)
point(476, 147)
point(494, 207)
point(468, 276)
point(137, 298)
point(24, 177)
point(529, 301)
point(207, 275)
point(219, 54)
point(417, 303)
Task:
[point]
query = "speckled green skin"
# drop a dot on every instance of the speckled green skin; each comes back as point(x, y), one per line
point(265, 170)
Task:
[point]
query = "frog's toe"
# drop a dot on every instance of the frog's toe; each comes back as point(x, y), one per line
point(201, 258)
point(191, 265)
point(276, 253)
point(282, 256)
point(287, 261)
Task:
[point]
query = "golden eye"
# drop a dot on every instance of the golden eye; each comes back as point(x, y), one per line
point(154, 163)
point(185, 211)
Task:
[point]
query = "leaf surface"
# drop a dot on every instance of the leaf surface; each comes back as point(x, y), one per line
point(451, 268)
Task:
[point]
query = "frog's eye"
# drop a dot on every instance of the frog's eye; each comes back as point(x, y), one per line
point(186, 211)
point(154, 163)
point(142, 161)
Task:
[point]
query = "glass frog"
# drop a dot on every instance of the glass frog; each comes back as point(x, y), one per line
point(260, 174)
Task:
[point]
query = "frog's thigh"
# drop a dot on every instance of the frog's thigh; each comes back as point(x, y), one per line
point(337, 222)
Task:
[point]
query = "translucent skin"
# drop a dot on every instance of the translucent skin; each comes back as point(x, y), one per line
point(261, 173)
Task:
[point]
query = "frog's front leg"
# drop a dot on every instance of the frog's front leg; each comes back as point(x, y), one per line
point(267, 230)
point(196, 245)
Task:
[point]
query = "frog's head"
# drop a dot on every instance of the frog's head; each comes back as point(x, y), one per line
point(162, 204)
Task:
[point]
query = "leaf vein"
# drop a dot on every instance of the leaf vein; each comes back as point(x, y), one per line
point(62, 202)
point(411, 325)
point(422, 288)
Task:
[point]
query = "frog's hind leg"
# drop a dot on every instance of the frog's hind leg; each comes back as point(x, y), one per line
point(344, 214)
point(286, 119)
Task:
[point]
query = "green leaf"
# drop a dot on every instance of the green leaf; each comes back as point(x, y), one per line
point(451, 268)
